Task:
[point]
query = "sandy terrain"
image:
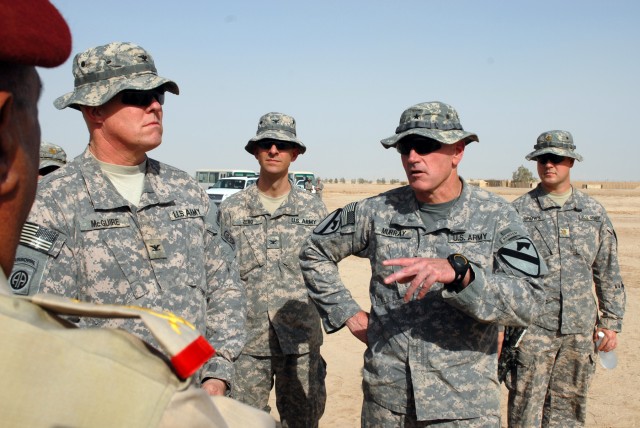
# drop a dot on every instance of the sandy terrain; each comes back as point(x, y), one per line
point(614, 394)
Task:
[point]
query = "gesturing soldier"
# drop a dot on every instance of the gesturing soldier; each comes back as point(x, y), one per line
point(449, 263)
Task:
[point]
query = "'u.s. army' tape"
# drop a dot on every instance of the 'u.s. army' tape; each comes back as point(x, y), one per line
point(187, 349)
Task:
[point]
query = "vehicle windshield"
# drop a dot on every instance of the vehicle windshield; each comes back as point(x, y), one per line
point(229, 184)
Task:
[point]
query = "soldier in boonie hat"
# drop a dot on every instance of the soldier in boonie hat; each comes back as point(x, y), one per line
point(276, 126)
point(104, 71)
point(292, 338)
point(435, 120)
point(556, 143)
point(52, 157)
point(122, 191)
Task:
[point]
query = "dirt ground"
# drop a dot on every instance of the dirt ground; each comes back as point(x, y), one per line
point(613, 396)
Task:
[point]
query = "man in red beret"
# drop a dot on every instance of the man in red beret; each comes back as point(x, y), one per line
point(54, 375)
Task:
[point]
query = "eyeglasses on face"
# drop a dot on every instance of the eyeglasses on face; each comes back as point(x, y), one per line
point(141, 98)
point(549, 157)
point(422, 146)
point(280, 145)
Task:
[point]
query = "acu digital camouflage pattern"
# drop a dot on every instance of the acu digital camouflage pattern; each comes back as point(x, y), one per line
point(276, 126)
point(434, 358)
point(555, 142)
point(85, 241)
point(579, 246)
point(435, 120)
point(548, 391)
point(299, 384)
point(51, 155)
point(101, 72)
point(267, 248)
point(281, 319)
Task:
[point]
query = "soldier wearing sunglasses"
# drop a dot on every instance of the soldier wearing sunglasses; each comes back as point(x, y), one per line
point(115, 226)
point(556, 356)
point(268, 223)
point(449, 263)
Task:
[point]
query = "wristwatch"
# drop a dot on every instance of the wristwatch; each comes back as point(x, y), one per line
point(460, 265)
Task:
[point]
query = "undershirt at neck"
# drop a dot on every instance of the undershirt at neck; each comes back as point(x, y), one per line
point(272, 204)
point(559, 199)
point(128, 180)
point(432, 213)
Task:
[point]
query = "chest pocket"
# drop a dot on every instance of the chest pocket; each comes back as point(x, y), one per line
point(543, 236)
point(111, 250)
point(251, 244)
point(585, 235)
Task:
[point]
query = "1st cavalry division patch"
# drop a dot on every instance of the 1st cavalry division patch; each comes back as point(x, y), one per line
point(338, 218)
point(522, 256)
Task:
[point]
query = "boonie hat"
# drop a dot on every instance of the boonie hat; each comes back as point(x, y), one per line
point(276, 126)
point(33, 32)
point(104, 71)
point(51, 155)
point(555, 142)
point(434, 120)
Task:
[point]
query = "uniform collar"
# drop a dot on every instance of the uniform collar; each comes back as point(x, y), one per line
point(104, 195)
point(574, 202)
point(411, 217)
point(288, 207)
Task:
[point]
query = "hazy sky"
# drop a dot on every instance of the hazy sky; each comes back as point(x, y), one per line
point(347, 69)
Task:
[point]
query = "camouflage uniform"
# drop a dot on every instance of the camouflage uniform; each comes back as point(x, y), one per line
point(430, 360)
point(308, 186)
point(84, 240)
point(436, 357)
point(556, 356)
point(283, 325)
point(319, 188)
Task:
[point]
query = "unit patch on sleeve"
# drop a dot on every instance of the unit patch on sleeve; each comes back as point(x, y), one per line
point(522, 256)
point(330, 224)
point(24, 269)
point(228, 238)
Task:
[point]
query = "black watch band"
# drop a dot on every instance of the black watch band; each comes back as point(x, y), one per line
point(461, 266)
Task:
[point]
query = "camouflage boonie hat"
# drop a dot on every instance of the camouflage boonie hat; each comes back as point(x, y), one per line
point(435, 120)
point(104, 71)
point(276, 126)
point(51, 155)
point(555, 142)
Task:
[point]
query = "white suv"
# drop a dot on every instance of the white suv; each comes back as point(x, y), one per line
point(226, 187)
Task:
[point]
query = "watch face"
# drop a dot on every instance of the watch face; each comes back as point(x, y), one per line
point(459, 260)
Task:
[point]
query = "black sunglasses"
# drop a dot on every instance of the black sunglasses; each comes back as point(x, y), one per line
point(422, 146)
point(141, 98)
point(280, 145)
point(554, 159)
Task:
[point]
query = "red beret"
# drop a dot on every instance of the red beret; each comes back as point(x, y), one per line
point(32, 32)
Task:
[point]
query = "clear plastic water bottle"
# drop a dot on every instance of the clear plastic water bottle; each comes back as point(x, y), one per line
point(608, 360)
